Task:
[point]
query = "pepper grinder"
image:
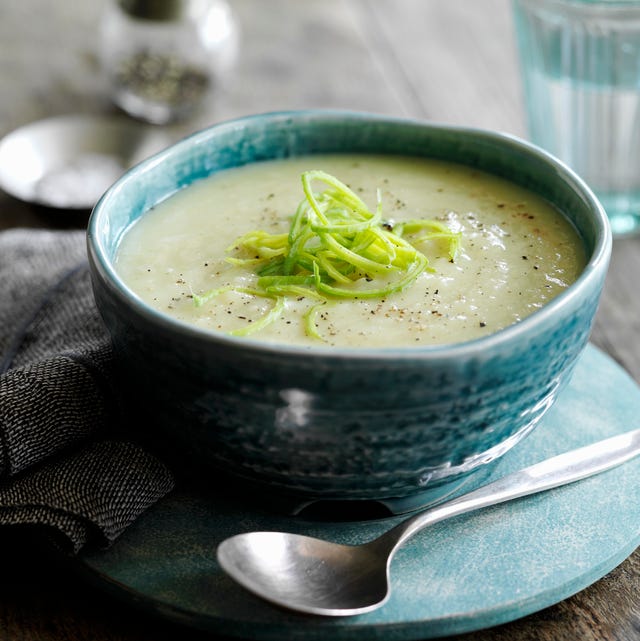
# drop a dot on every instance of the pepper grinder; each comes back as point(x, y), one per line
point(163, 57)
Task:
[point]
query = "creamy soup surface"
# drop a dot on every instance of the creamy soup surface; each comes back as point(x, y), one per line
point(516, 253)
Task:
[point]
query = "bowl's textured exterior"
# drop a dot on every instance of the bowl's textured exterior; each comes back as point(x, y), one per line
point(404, 426)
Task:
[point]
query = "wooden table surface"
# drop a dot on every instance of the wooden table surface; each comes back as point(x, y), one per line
point(451, 62)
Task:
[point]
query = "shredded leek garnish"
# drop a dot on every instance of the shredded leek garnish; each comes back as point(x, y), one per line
point(336, 248)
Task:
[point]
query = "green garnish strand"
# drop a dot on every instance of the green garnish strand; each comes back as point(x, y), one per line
point(310, 326)
point(200, 300)
point(334, 247)
point(267, 319)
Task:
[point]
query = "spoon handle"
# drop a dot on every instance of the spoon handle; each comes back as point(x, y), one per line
point(554, 472)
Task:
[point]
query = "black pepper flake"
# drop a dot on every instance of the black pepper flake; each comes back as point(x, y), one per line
point(482, 324)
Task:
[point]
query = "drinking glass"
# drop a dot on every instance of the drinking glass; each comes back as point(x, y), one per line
point(580, 64)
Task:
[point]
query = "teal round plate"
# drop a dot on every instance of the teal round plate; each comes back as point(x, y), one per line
point(472, 572)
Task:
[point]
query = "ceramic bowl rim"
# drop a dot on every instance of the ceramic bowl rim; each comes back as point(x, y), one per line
point(594, 269)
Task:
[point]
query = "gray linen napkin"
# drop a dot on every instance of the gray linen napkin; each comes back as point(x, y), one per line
point(63, 464)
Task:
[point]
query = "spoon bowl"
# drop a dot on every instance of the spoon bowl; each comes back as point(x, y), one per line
point(318, 577)
point(67, 162)
point(308, 574)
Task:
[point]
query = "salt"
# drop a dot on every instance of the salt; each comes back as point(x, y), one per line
point(79, 183)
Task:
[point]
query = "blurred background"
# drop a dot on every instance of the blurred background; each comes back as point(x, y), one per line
point(396, 57)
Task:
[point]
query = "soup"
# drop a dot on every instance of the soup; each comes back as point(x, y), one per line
point(496, 253)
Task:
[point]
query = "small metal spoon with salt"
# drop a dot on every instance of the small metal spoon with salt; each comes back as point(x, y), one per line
point(318, 577)
point(68, 162)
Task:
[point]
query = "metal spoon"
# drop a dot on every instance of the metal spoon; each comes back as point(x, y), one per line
point(67, 162)
point(318, 577)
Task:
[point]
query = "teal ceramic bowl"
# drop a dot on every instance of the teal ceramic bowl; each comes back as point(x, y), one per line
point(404, 427)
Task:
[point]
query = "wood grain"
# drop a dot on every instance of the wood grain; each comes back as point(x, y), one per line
point(451, 62)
